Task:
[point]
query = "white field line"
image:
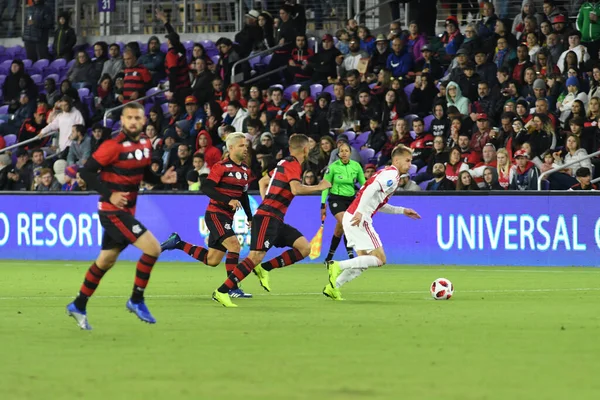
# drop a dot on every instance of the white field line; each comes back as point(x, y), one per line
point(409, 292)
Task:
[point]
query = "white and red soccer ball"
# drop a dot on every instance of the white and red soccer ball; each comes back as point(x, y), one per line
point(441, 289)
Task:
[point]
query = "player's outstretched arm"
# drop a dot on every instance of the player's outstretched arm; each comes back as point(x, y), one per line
point(409, 212)
point(300, 189)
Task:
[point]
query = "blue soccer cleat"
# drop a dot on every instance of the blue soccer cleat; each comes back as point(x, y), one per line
point(239, 293)
point(141, 311)
point(171, 243)
point(79, 316)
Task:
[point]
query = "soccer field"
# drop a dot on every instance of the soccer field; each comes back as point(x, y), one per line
point(508, 333)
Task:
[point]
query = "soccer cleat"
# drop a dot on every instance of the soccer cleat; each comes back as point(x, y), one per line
point(263, 277)
point(239, 293)
point(334, 271)
point(141, 311)
point(171, 242)
point(332, 292)
point(79, 316)
point(223, 299)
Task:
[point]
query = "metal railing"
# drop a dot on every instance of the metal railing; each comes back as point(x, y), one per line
point(110, 110)
point(24, 142)
point(259, 54)
point(376, 7)
point(560, 168)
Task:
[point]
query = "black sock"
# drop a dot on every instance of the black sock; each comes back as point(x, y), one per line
point(335, 242)
point(286, 258)
point(349, 250)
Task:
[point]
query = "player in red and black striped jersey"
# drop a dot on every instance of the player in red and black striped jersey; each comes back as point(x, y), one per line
point(227, 186)
point(268, 228)
point(115, 171)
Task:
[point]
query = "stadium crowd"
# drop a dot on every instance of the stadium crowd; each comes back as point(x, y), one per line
point(487, 105)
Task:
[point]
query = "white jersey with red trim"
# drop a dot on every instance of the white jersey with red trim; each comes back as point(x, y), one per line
point(375, 193)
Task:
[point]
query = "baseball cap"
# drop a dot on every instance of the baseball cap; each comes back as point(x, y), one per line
point(482, 116)
point(191, 100)
point(521, 153)
point(41, 110)
point(370, 166)
point(462, 51)
point(382, 38)
point(426, 48)
point(327, 38)
point(309, 100)
point(559, 19)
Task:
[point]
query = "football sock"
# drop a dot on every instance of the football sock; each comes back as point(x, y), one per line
point(286, 258)
point(347, 275)
point(231, 260)
point(349, 250)
point(142, 275)
point(199, 253)
point(360, 262)
point(335, 242)
point(238, 274)
point(90, 283)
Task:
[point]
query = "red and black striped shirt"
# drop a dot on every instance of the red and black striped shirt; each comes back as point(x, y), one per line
point(137, 79)
point(279, 193)
point(124, 164)
point(230, 179)
point(177, 70)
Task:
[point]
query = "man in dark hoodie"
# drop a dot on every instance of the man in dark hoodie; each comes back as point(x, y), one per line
point(322, 64)
point(154, 60)
point(64, 37)
point(38, 22)
point(524, 175)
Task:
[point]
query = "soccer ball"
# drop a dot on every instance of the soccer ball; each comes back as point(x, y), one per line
point(441, 289)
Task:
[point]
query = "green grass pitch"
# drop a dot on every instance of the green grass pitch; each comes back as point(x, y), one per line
point(508, 333)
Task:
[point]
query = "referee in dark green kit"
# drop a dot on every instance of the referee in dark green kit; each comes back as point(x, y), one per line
point(343, 175)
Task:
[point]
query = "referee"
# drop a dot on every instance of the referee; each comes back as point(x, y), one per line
point(343, 175)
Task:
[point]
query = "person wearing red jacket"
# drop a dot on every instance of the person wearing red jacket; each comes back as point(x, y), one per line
point(422, 145)
point(298, 62)
point(467, 154)
point(204, 146)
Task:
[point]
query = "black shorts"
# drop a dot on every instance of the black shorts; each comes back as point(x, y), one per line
point(339, 204)
point(220, 227)
point(120, 229)
point(270, 232)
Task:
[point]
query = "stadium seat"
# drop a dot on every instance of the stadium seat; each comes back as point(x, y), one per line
point(27, 64)
point(152, 91)
point(215, 59)
point(423, 185)
point(329, 89)
point(39, 66)
point(147, 107)
point(427, 121)
point(5, 67)
point(389, 133)
point(165, 110)
point(116, 126)
point(413, 135)
point(56, 67)
point(10, 140)
point(208, 44)
point(109, 123)
point(351, 135)
point(267, 59)
point(2, 79)
point(422, 170)
point(55, 77)
point(410, 118)
point(280, 86)
point(312, 42)
point(121, 45)
point(164, 47)
point(37, 79)
point(360, 140)
point(290, 90)
point(372, 85)
point(315, 90)
point(366, 155)
point(69, 65)
point(408, 89)
point(4, 110)
point(253, 61)
point(83, 93)
point(412, 171)
point(188, 44)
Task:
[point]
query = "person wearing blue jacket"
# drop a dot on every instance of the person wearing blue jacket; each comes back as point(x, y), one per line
point(400, 61)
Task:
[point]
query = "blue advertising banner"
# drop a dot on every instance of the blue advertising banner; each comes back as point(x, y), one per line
point(106, 5)
point(455, 230)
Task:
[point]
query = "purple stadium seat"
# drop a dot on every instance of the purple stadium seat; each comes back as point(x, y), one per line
point(5, 66)
point(423, 185)
point(164, 47)
point(215, 59)
point(412, 171)
point(39, 66)
point(109, 123)
point(165, 109)
point(409, 119)
point(315, 90)
point(4, 110)
point(413, 135)
point(69, 65)
point(389, 133)
point(83, 93)
point(366, 155)
point(212, 52)
point(147, 107)
point(2, 121)
point(10, 139)
point(144, 48)
point(27, 63)
point(53, 76)
point(208, 44)
point(311, 43)
point(266, 59)
point(121, 45)
point(116, 126)
point(422, 170)
point(56, 66)
point(253, 61)
point(152, 91)
point(2, 79)
point(37, 79)
point(188, 44)
point(372, 85)
point(329, 89)
point(351, 135)
point(427, 121)
point(287, 93)
point(408, 89)
point(360, 140)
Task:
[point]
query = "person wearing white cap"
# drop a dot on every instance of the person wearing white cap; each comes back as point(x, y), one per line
point(251, 36)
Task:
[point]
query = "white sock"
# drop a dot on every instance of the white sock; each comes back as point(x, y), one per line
point(347, 275)
point(360, 262)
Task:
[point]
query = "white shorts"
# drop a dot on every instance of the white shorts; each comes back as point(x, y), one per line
point(362, 237)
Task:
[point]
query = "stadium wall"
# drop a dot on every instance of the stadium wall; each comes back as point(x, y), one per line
point(559, 229)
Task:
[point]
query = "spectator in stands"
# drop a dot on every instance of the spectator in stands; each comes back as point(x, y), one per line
point(422, 145)
point(100, 57)
point(400, 61)
point(380, 55)
point(469, 81)
point(182, 164)
point(115, 64)
point(414, 41)
point(438, 155)
point(351, 60)
point(265, 21)
point(65, 37)
point(316, 123)
point(137, 79)
point(25, 111)
point(452, 39)
point(81, 146)
point(428, 65)
point(439, 181)
point(20, 176)
point(552, 10)
point(485, 68)
point(278, 105)
point(566, 100)
point(455, 98)
point(205, 147)
point(82, 73)
point(46, 181)
point(423, 96)
point(52, 92)
point(407, 185)
point(12, 87)
point(235, 115)
point(70, 177)
point(5, 170)
point(533, 45)
point(250, 38)
point(486, 103)
point(490, 179)
point(229, 55)
point(354, 83)
point(575, 46)
point(31, 127)
point(154, 60)
point(541, 136)
point(584, 179)
point(298, 63)
point(565, 178)
point(587, 24)
point(465, 182)
point(527, 9)
point(322, 66)
point(286, 35)
point(481, 135)
point(177, 70)
point(523, 175)
point(202, 81)
point(65, 117)
point(521, 64)
point(38, 22)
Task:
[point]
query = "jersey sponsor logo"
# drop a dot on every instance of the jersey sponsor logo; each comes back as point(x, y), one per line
point(334, 205)
point(142, 141)
point(245, 176)
point(146, 152)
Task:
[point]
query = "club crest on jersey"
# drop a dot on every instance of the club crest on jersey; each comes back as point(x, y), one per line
point(227, 226)
point(136, 229)
point(238, 175)
point(267, 244)
point(390, 182)
point(139, 155)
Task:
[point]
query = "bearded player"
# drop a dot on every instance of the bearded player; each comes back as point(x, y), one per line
point(358, 223)
point(226, 186)
point(115, 171)
point(268, 229)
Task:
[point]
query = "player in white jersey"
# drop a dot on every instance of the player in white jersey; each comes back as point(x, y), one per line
point(358, 223)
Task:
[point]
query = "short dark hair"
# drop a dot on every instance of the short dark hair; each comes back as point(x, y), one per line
point(582, 172)
point(417, 120)
point(79, 128)
point(353, 73)
point(36, 151)
point(228, 129)
point(275, 89)
point(255, 123)
point(199, 155)
point(400, 150)
point(235, 103)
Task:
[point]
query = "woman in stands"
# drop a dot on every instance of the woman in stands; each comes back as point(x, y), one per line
point(595, 83)
point(349, 115)
point(594, 110)
point(503, 165)
point(256, 94)
point(465, 182)
point(565, 178)
point(265, 21)
point(543, 65)
point(454, 164)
